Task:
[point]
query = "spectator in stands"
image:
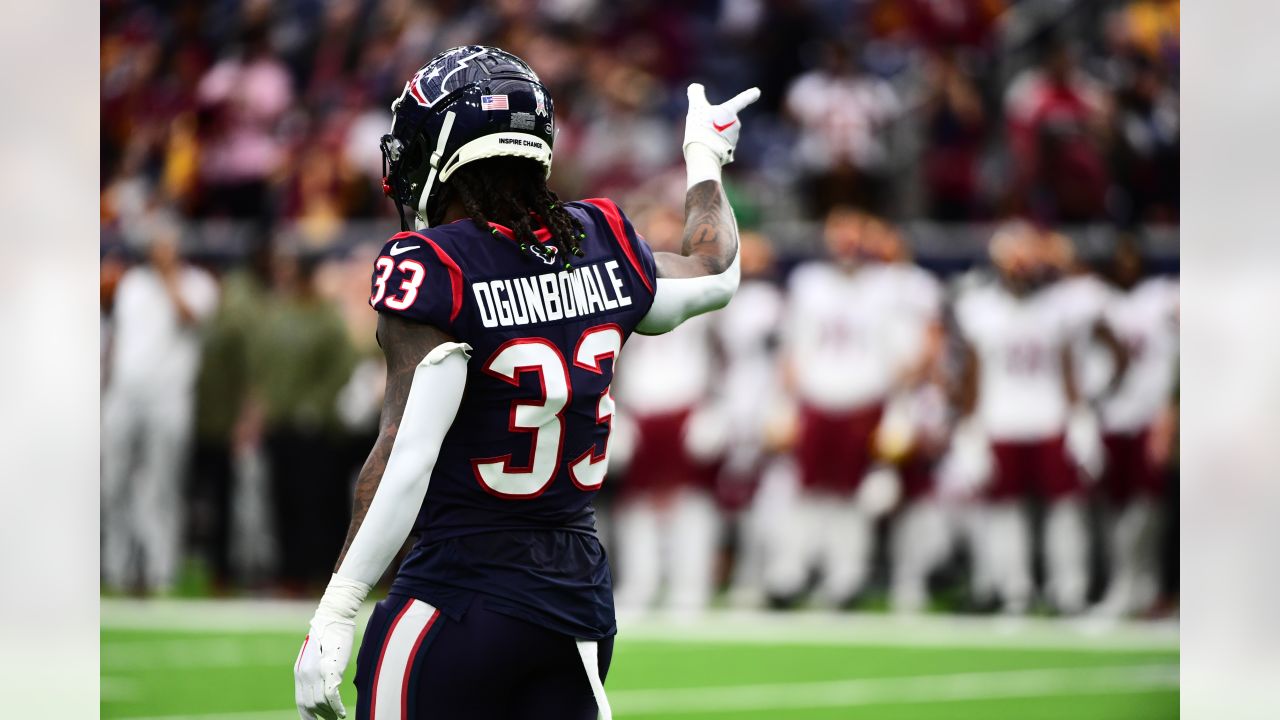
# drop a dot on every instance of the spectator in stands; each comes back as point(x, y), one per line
point(840, 113)
point(244, 97)
point(1057, 118)
point(147, 411)
point(1146, 153)
point(954, 135)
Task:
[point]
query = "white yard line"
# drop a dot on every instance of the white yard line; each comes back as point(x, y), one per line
point(248, 715)
point(898, 690)
point(852, 693)
point(724, 626)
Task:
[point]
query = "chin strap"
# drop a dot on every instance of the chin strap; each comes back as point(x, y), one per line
point(390, 152)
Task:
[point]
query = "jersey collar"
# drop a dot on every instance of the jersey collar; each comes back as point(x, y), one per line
point(542, 234)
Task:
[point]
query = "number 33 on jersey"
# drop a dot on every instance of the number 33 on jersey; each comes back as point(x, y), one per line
point(530, 444)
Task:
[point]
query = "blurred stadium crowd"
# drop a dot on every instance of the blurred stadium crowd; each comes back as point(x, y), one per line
point(851, 423)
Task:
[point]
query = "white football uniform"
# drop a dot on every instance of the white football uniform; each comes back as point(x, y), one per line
point(746, 332)
point(839, 335)
point(848, 337)
point(919, 305)
point(1021, 395)
point(1082, 299)
point(667, 523)
point(1145, 319)
point(1022, 406)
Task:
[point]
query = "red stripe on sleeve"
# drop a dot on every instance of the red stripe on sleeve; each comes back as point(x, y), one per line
point(408, 667)
point(455, 273)
point(614, 217)
point(373, 702)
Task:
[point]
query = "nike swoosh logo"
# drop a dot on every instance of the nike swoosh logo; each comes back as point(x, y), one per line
point(721, 128)
point(397, 250)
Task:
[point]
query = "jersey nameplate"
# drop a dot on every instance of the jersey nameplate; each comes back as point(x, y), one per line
point(550, 296)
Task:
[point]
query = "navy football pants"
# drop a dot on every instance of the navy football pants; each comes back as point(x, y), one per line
point(415, 663)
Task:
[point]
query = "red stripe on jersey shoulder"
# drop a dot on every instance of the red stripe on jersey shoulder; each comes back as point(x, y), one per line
point(455, 272)
point(614, 217)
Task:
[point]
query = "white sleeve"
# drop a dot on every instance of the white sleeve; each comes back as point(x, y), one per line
point(434, 397)
point(678, 299)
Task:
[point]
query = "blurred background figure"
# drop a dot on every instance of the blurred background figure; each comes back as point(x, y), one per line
point(666, 521)
point(241, 100)
point(1057, 116)
point(840, 362)
point(222, 394)
point(913, 432)
point(158, 312)
point(956, 125)
point(841, 113)
point(1020, 383)
point(746, 332)
point(300, 359)
point(1137, 422)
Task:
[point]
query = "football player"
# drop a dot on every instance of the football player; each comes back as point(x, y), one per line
point(1098, 358)
point(839, 357)
point(913, 432)
point(1019, 388)
point(666, 519)
point(1144, 313)
point(501, 315)
point(747, 334)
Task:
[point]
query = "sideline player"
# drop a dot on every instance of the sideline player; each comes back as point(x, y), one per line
point(839, 359)
point(747, 334)
point(665, 517)
point(1019, 387)
point(501, 318)
point(1144, 313)
point(913, 433)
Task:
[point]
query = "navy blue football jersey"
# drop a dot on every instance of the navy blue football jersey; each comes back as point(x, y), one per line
point(508, 511)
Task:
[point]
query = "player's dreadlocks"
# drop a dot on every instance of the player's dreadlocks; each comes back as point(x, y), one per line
point(513, 191)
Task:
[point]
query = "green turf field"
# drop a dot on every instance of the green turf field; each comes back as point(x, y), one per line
point(233, 661)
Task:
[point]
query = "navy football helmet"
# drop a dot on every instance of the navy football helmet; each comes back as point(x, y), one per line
point(468, 103)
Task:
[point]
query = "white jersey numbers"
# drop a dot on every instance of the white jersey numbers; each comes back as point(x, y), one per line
point(544, 417)
point(596, 344)
point(414, 273)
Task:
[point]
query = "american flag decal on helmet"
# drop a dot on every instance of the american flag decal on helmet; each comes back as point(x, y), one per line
point(493, 102)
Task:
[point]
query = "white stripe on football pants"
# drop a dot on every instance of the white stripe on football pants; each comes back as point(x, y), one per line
point(392, 675)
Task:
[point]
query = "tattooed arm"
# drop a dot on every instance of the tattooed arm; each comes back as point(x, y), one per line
point(704, 276)
point(426, 374)
point(404, 344)
point(710, 235)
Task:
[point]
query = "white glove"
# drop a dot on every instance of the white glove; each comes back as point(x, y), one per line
point(317, 676)
point(706, 433)
point(711, 132)
point(880, 491)
point(968, 464)
point(1084, 442)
